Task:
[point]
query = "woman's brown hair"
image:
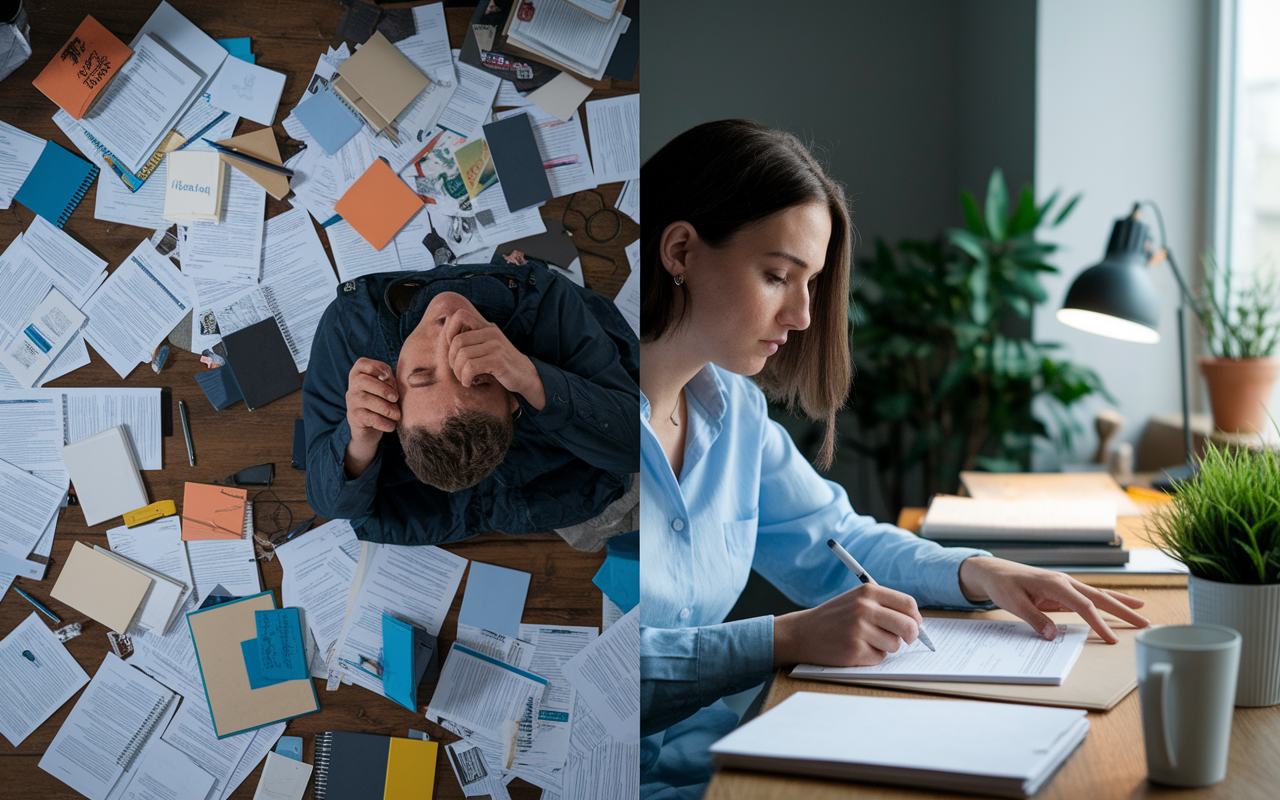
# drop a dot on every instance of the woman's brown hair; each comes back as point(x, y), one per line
point(721, 177)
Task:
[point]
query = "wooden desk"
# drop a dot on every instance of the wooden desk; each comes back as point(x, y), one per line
point(288, 36)
point(1110, 764)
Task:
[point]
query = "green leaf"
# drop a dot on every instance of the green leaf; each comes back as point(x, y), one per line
point(969, 243)
point(972, 216)
point(1025, 218)
point(997, 205)
point(1062, 215)
point(1044, 207)
point(979, 283)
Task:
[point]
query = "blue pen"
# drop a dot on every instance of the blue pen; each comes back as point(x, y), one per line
point(257, 162)
point(38, 606)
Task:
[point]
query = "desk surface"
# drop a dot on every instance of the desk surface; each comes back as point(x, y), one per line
point(1110, 764)
point(288, 36)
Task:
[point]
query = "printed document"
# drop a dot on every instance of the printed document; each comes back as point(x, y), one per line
point(563, 150)
point(90, 411)
point(230, 562)
point(614, 126)
point(973, 651)
point(546, 742)
point(472, 103)
point(166, 773)
point(191, 731)
point(232, 249)
point(263, 740)
point(110, 723)
point(19, 152)
point(78, 271)
point(482, 693)
point(31, 433)
point(38, 675)
point(158, 546)
point(136, 308)
point(607, 674)
point(356, 257)
point(628, 299)
point(27, 503)
point(53, 325)
point(317, 576)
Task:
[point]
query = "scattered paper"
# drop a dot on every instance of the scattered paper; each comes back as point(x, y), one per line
point(230, 250)
point(50, 328)
point(247, 90)
point(282, 779)
point(38, 675)
point(607, 674)
point(135, 309)
point(614, 127)
point(483, 694)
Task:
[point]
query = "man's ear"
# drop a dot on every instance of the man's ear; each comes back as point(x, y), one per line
point(513, 404)
point(674, 247)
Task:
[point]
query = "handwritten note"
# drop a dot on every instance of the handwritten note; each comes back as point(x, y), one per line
point(280, 649)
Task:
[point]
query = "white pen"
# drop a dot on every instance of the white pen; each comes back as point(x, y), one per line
point(865, 577)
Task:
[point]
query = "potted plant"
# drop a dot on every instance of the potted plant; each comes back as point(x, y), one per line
point(1243, 331)
point(1225, 526)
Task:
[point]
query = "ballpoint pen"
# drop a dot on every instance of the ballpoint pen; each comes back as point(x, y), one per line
point(257, 162)
point(39, 607)
point(865, 577)
point(186, 431)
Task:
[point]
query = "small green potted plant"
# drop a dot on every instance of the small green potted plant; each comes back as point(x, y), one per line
point(1225, 526)
point(1242, 329)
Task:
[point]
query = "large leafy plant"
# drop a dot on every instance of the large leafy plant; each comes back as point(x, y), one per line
point(946, 375)
point(1225, 525)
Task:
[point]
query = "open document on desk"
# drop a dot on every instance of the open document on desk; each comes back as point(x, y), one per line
point(973, 651)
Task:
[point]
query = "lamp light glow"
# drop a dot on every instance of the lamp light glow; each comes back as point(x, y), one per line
point(1107, 325)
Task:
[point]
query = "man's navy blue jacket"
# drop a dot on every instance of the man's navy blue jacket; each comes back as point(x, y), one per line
point(566, 462)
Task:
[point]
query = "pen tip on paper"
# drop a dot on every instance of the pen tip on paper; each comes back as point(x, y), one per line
point(831, 543)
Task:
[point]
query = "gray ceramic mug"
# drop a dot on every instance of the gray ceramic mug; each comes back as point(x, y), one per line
point(1187, 688)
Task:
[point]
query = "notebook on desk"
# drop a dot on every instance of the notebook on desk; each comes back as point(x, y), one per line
point(56, 184)
point(999, 749)
point(365, 766)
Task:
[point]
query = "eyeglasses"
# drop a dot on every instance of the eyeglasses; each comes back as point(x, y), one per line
point(588, 212)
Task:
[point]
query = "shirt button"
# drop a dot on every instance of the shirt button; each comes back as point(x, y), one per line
point(685, 613)
point(677, 524)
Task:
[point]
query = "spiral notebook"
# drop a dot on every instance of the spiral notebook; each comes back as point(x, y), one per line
point(367, 766)
point(56, 183)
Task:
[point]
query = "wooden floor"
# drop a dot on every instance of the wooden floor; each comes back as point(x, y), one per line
point(287, 36)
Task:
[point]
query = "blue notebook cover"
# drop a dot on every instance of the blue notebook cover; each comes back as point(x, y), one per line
point(56, 184)
point(329, 119)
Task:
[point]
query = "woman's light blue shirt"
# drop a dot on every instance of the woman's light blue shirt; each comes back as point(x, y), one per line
point(747, 498)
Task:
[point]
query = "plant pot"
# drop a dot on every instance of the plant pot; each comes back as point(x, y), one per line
point(1239, 391)
point(1254, 611)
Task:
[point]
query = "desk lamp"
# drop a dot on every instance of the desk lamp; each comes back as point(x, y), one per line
point(1116, 298)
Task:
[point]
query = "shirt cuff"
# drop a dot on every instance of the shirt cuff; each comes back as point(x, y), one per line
point(340, 439)
point(946, 592)
point(557, 411)
point(734, 656)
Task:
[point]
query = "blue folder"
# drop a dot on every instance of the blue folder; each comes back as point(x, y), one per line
point(408, 654)
point(329, 119)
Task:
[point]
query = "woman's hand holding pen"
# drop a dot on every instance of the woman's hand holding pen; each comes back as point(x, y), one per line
point(854, 629)
point(1029, 591)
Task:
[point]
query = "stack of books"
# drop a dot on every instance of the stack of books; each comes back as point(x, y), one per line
point(1042, 533)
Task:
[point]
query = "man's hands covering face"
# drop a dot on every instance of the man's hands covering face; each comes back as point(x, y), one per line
point(371, 411)
point(479, 352)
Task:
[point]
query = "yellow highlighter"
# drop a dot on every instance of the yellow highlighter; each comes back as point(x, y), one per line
point(164, 508)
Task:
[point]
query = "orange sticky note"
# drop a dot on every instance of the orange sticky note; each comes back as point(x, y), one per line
point(82, 67)
point(213, 512)
point(378, 204)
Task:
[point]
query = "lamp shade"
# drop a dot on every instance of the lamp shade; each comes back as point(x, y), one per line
point(1116, 297)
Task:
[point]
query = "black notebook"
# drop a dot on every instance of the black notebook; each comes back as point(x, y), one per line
point(264, 367)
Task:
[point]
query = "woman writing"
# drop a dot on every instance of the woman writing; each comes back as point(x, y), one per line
point(745, 259)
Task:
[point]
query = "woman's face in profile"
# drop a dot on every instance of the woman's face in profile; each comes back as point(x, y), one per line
point(749, 295)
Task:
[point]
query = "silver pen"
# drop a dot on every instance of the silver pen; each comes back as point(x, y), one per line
point(865, 577)
point(186, 431)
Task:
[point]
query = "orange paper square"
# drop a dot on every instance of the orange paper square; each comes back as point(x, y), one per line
point(213, 512)
point(82, 67)
point(378, 204)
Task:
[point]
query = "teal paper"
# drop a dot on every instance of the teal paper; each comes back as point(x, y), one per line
point(281, 654)
point(253, 665)
point(619, 575)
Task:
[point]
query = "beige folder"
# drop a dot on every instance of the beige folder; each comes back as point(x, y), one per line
point(1101, 677)
point(218, 633)
point(379, 82)
point(260, 144)
point(99, 586)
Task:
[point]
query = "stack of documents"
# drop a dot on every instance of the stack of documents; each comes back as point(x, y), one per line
point(105, 473)
point(567, 36)
point(125, 596)
point(997, 749)
point(1038, 532)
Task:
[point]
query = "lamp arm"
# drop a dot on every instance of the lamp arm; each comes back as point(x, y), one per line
point(1187, 296)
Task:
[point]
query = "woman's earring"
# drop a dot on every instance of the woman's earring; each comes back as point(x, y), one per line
point(679, 279)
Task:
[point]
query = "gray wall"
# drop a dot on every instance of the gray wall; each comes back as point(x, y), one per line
point(907, 102)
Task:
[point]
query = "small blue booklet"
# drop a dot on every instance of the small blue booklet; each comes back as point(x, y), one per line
point(329, 119)
point(56, 183)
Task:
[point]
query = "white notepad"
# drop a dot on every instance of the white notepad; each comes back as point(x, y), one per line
point(105, 475)
point(1000, 749)
point(194, 186)
point(972, 651)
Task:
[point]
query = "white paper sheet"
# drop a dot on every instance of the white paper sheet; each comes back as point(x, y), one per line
point(19, 152)
point(497, 224)
point(508, 95)
point(475, 775)
point(482, 693)
point(607, 674)
point(113, 717)
point(232, 249)
point(152, 743)
point(628, 298)
point(611, 769)
point(247, 90)
point(166, 773)
point(171, 660)
point(136, 308)
point(614, 126)
point(282, 779)
point(53, 325)
point(79, 272)
point(355, 256)
point(191, 731)
point(26, 279)
point(263, 740)
point(27, 503)
point(230, 562)
point(159, 546)
point(507, 649)
point(317, 577)
point(563, 149)
point(90, 411)
point(472, 103)
point(629, 199)
point(548, 744)
point(974, 651)
point(34, 689)
point(415, 584)
point(31, 433)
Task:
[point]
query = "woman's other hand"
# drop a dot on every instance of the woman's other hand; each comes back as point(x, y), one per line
point(853, 630)
point(1030, 591)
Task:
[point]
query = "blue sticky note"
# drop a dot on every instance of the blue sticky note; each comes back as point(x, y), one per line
point(290, 746)
point(619, 575)
point(236, 47)
point(329, 120)
point(494, 599)
point(280, 651)
point(253, 665)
